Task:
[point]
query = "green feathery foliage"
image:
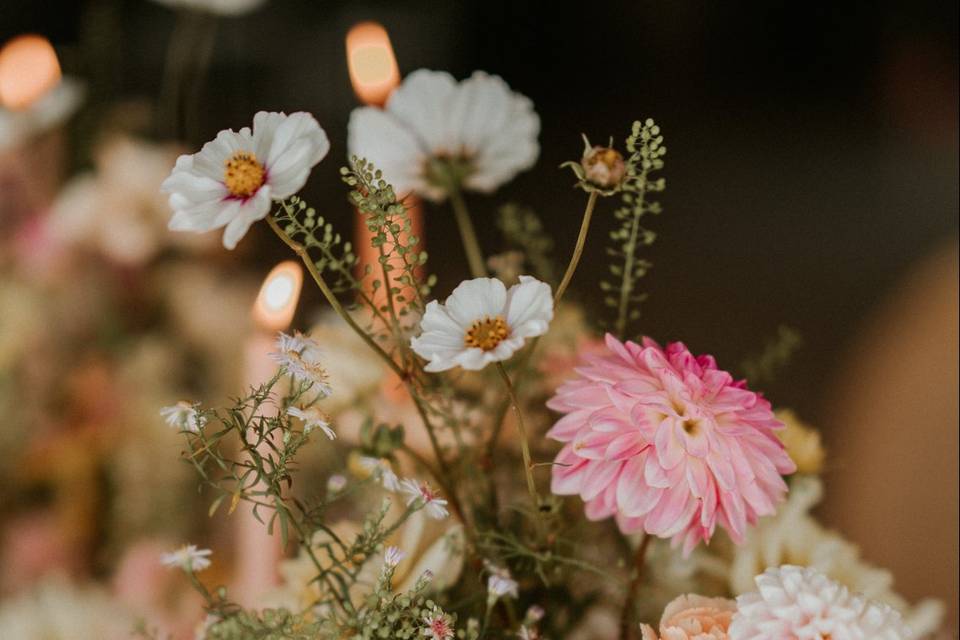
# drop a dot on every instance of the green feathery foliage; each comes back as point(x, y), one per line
point(523, 229)
point(776, 354)
point(645, 145)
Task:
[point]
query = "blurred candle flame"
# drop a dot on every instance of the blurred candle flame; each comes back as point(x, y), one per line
point(29, 69)
point(372, 65)
point(277, 301)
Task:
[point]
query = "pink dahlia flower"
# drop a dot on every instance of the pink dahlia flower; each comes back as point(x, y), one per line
point(667, 443)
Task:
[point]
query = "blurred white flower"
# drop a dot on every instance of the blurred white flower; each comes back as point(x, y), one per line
point(433, 504)
point(58, 610)
point(381, 471)
point(336, 483)
point(218, 7)
point(798, 602)
point(435, 134)
point(184, 416)
point(794, 537)
point(234, 179)
point(188, 557)
point(500, 583)
point(51, 110)
point(483, 322)
point(117, 210)
point(312, 419)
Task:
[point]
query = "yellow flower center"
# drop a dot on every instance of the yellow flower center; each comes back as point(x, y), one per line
point(242, 174)
point(487, 333)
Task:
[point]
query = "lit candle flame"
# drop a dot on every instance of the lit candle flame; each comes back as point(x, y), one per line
point(28, 71)
point(373, 67)
point(277, 301)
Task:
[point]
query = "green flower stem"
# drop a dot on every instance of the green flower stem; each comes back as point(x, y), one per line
point(578, 249)
point(467, 234)
point(629, 605)
point(626, 286)
point(301, 251)
point(524, 440)
point(501, 412)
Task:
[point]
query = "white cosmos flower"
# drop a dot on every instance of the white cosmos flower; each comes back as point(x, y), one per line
point(183, 416)
point(483, 322)
point(188, 558)
point(217, 7)
point(313, 418)
point(802, 603)
point(234, 178)
point(433, 504)
point(478, 132)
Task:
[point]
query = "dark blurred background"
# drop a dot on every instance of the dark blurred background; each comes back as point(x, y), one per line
point(813, 147)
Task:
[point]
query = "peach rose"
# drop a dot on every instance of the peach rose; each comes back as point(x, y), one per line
point(694, 617)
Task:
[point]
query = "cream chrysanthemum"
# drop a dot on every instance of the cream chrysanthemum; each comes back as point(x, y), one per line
point(435, 134)
point(483, 322)
point(803, 604)
point(232, 181)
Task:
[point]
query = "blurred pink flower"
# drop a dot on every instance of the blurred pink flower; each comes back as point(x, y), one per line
point(694, 617)
point(667, 443)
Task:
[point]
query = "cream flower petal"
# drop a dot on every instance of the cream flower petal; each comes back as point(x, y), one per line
point(380, 137)
point(421, 103)
point(475, 299)
point(247, 212)
point(529, 307)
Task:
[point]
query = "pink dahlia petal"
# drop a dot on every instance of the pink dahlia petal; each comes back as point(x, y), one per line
point(667, 443)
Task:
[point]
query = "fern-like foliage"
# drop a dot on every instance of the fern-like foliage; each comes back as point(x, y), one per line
point(645, 145)
point(392, 235)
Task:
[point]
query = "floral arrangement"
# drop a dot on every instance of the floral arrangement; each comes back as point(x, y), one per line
point(530, 479)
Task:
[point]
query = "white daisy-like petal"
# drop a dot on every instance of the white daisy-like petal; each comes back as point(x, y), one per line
point(481, 127)
point(312, 419)
point(184, 416)
point(422, 104)
point(394, 149)
point(482, 322)
point(529, 307)
point(188, 557)
point(232, 181)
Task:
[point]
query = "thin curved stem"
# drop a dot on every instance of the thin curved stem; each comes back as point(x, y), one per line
point(524, 441)
point(578, 249)
point(467, 234)
point(301, 251)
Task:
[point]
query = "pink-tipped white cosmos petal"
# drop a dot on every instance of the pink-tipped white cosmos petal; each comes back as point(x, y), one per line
point(234, 179)
point(489, 131)
point(667, 443)
point(482, 322)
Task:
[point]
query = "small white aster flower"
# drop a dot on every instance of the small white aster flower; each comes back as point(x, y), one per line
point(393, 555)
point(802, 603)
point(234, 179)
point(312, 419)
point(336, 483)
point(433, 504)
point(534, 614)
point(483, 322)
point(438, 625)
point(382, 471)
point(183, 416)
point(500, 583)
point(300, 356)
point(435, 133)
point(188, 557)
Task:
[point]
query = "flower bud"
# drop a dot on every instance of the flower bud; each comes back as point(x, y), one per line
point(603, 166)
